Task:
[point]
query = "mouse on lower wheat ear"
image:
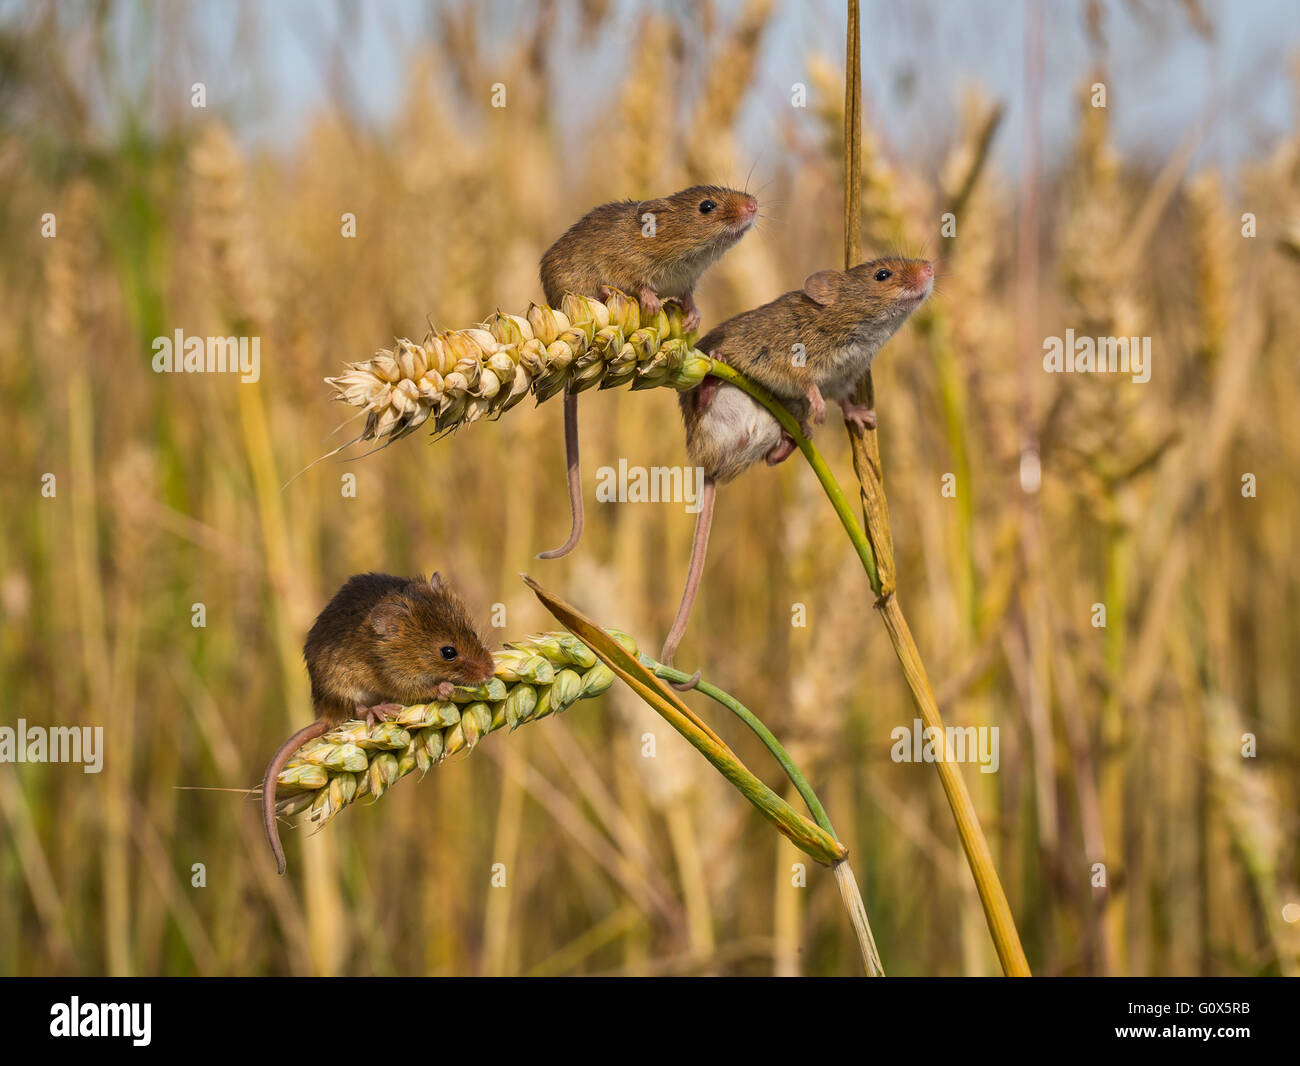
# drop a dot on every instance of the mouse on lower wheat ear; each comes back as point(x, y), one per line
point(381, 643)
point(805, 347)
point(653, 250)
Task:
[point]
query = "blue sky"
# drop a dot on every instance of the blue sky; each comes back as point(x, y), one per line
point(269, 64)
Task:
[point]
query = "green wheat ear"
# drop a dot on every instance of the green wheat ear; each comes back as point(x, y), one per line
point(535, 678)
point(458, 377)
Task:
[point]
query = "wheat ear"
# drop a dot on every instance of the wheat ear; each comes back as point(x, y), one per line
point(535, 678)
point(460, 376)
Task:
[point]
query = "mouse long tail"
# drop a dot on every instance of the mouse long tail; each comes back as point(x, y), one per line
point(703, 523)
point(575, 479)
point(311, 732)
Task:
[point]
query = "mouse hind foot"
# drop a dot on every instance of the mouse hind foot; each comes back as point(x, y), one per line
point(691, 323)
point(380, 712)
point(649, 300)
point(858, 415)
point(782, 451)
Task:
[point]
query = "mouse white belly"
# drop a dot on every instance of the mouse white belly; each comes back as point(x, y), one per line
point(735, 432)
point(848, 366)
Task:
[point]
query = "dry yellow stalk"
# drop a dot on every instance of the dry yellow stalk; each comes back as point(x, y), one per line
point(231, 255)
point(1212, 236)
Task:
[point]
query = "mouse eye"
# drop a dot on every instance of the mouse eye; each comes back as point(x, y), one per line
point(884, 275)
point(447, 652)
point(706, 206)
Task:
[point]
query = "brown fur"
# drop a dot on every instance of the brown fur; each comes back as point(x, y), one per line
point(379, 642)
point(841, 317)
point(609, 248)
point(606, 247)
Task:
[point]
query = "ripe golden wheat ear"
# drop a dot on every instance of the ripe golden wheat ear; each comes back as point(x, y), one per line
point(460, 376)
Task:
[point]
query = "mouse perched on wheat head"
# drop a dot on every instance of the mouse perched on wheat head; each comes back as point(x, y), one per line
point(807, 346)
point(653, 250)
point(380, 644)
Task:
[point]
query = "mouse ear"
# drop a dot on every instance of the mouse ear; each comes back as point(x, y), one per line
point(822, 286)
point(386, 616)
point(436, 582)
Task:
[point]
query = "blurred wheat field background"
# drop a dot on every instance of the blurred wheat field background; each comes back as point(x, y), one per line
point(1170, 503)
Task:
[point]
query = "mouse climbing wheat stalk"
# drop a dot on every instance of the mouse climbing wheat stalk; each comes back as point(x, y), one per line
point(381, 643)
point(805, 347)
point(651, 249)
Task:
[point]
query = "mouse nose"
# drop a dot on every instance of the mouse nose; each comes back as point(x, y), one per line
point(749, 207)
point(926, 270)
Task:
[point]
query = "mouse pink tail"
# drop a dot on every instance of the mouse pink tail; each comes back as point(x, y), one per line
point(698, 551)
point(575, 479)
point(311, 732)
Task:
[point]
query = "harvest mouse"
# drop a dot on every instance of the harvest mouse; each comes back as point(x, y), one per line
point(805, 347)
point(651, 249)
point(381, 643)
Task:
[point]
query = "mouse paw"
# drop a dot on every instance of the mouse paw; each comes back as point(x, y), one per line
point(816, 405)
point(445, 690)
point(650, 302)
point(861, 417)
point(379, 712)
point(705, 391)
point(780, 452)
point(692, 320)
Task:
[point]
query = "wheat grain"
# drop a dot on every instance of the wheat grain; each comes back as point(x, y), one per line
point(461, 376)
point(535, 678)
